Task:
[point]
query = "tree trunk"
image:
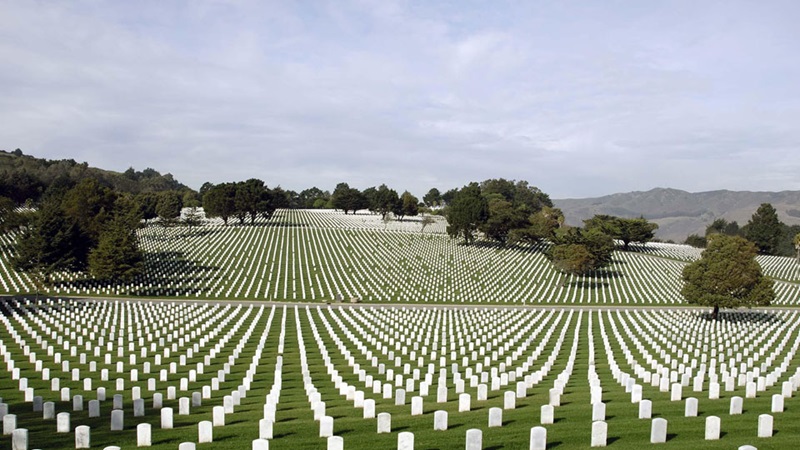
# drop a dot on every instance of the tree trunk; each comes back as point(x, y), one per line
point(715, 313)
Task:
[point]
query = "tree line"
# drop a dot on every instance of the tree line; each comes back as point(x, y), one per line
point(764, 230)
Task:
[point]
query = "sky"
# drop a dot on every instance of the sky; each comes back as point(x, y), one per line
point(579, 98)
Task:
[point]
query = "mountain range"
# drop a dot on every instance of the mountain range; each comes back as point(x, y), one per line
point(679, 213)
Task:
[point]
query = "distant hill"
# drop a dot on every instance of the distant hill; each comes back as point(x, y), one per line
point(679, 213)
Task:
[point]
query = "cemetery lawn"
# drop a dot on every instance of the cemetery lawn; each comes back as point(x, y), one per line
point(545, 346)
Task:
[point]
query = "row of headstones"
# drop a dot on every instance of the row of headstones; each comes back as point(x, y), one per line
point(117, 415)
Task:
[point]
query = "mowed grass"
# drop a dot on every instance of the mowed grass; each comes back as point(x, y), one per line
point(536, 336)
point(321, 255)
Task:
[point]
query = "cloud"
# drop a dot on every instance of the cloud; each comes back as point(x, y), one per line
point(578, 98)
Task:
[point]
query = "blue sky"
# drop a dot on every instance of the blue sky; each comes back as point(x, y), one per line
point(580, 98)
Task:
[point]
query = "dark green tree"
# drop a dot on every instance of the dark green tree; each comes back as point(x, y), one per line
point(117, 255)
point(251, 199)
point(407, 206)
point(467, 212)
point(764, 229)
point(383, 201)
point(220, 201)
point(503, 219)
point(626, 230)
point(727, 276)
point(598, 245)
point(722, 226)
point(433, 198)
point(695, 240)
point(169, 207)
point(540, 225)
point(147, 202)
point(348, 199)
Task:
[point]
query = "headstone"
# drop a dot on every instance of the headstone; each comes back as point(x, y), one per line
point(138, 407)
point(77, 403)
point(658, 431)
point(117, 402)
point(777, 403)
point(416, 406)
point(260, 444)
point(538, 438)
point(764, 425)
point(19, 439)
point(645, 409)
point(187, 446)
point(117, 420)
point(326, 427)
point(183, 406)
point(48, 410)
point(440, 421)
point(495, 417)
point(94, 408)
point(474, 439)
point(509, 400)
point(265, 428)
point(384, 423)
point(83, 436)
point(405, 440)
point(166, 418)
point(158, 400)
point(547, 415)
point(205, 432)
point(736, 405)
point(369, 408)
point(62, 423)
point(143, 435)
point(464, 402)
point(400, 397)
point(441, 394)
point(676, 392)
point(598, 411)
point(335, 443)
point(38, 404)
point(218, 416)
point(690, 410)
point(599, 433)
point(713, 425)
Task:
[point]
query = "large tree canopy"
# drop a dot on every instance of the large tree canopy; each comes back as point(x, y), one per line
point(467, 212)
point(727, 276)
point(764, 229)
point(626, 230)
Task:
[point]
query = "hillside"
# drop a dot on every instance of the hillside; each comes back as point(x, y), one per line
point(679, 213)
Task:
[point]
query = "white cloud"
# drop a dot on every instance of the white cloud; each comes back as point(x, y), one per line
point(580, 99)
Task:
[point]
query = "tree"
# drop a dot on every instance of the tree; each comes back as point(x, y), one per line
point(433, 198)
point(503, 219)
point(250, 199)
point(383, 201)
point(90, 205)
point(722, 226)
point(117, 255)
point(10, 218)
point(764, 229)
point(407, 206)
point(168, 207)
point(595, 252)
point(51, 243)
point(695, 240)
point(541, 225)
point(348, 199)
point(427, 220)
point(220, 201)
point(727, 276)
point(796, 243)
point(624, 229)
point(147, 202)
point(467, 212)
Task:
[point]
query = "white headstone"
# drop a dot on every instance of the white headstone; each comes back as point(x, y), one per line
point(440, 420)
point(509, 400)
point(62, 423)
point(384, 423)
point(117, 420)
point(598, 411)
point(265, 428)
point(205, 432)
point(777, 403)
point(326, 427)
point(690, 410)
point(464, 402)
point(713, 425)
point(166, 418)
point(474, 439)
point(416, 406)
point(218, 416)
point(19, 439)
point(736, 405)
point(260, 444)
point(547, 414)
point(538, 438)
point(405, 440)
point(83, 436)
point(764, 425)
point(335, 443)
point(495, 417)
point(143, 435)
point(645, 409)
point(599, 433)
point(658, 431)
point(187, 446)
